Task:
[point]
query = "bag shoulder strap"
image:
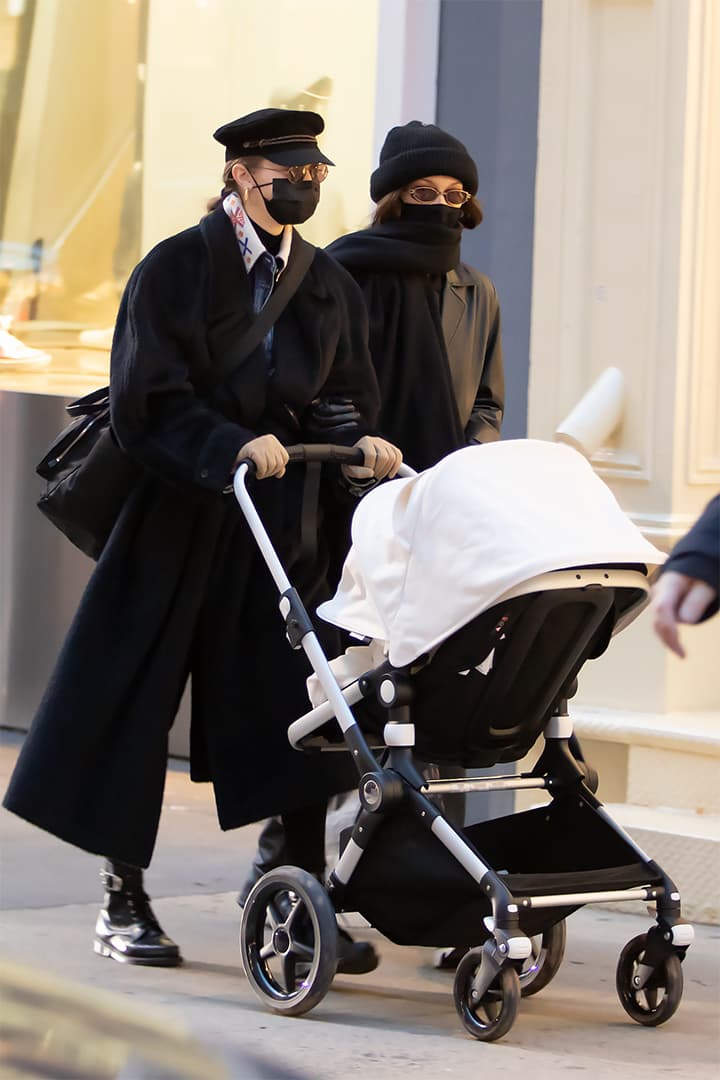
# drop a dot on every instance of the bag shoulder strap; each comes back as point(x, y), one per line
point(301, 257)
point(91, 404)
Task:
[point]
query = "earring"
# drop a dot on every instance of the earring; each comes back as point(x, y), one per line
point(244, 194)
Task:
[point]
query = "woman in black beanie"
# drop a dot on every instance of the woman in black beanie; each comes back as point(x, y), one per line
point(434, 321)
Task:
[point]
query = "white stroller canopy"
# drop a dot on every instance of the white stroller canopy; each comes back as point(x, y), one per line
point(433, 551)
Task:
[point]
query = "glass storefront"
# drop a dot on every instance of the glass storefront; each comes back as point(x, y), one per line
point(107, 109)
point(72, 149)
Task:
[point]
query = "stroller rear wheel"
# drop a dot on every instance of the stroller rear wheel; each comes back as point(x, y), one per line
point(659, 998)
point(548, 950)
point(288, 940)
point(492, 1016)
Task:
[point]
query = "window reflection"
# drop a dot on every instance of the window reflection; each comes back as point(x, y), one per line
point(106, 115)
point(72, 107)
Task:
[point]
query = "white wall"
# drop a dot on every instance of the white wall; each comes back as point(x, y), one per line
point(627, 273)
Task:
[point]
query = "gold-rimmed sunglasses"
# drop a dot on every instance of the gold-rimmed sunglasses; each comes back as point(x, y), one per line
point(318, 170)
point(453, 197)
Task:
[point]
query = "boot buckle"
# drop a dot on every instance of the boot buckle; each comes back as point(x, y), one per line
point(111, 882)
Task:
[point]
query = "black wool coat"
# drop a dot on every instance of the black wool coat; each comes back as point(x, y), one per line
point(180, 588)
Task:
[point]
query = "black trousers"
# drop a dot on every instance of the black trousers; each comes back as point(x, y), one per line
point(304, 838)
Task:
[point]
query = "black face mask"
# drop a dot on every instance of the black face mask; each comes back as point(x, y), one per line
point(291, 204)
point(434, 214)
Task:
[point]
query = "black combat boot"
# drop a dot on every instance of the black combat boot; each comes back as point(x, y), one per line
point(126, 929)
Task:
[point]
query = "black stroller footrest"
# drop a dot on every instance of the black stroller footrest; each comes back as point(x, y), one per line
point(608, 879)
point(319, 742)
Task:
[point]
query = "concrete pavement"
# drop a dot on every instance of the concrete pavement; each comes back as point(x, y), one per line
point(399, 1020)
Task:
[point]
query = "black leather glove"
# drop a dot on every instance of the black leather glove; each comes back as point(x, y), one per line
point(327, 418)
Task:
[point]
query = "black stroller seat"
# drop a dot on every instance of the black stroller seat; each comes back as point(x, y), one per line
point(488, 691)
point(485, 694)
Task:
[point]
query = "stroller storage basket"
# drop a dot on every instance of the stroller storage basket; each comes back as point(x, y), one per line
point(411, 888)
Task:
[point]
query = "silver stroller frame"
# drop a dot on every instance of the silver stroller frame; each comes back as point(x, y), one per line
point(487, 989)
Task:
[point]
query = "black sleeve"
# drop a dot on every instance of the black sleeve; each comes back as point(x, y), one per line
point(487, 411)
point(697, 555)
point(157, 415)
point(352, 376)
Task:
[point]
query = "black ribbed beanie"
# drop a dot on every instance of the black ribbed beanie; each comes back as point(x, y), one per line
point(414, 150)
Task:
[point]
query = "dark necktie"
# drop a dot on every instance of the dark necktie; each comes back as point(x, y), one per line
point(264, 273)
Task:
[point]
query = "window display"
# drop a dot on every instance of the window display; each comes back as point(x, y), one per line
point(106, 119)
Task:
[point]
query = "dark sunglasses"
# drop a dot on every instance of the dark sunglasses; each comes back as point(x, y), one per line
point(453, 197)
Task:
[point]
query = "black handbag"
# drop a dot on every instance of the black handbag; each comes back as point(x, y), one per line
point(89, 476)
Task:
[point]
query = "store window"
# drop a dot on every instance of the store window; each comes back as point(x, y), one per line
point(107, 109)
point(72, 139)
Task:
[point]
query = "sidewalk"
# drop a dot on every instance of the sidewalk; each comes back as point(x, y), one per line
point(399, 1020)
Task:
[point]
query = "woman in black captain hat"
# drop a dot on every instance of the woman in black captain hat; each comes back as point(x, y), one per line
point(180, 589)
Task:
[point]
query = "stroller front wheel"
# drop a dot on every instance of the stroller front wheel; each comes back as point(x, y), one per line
point(492, 1016)
point(288, 940)
point(659, 998)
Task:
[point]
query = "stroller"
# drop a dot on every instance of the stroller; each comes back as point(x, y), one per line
point(479, 588)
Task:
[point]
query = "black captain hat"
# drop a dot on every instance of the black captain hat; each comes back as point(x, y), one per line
point(285, 136)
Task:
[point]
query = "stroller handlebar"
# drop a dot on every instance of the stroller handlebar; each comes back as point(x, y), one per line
point(321, 452)
point(315, 452)
point(341, 455)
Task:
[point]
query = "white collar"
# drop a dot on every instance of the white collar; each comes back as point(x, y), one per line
point(250, 244)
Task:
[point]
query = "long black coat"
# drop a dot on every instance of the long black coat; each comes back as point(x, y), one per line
point(180, 588)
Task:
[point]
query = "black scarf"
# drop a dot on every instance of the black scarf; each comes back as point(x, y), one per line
point(400, 247)
point(397, 265)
